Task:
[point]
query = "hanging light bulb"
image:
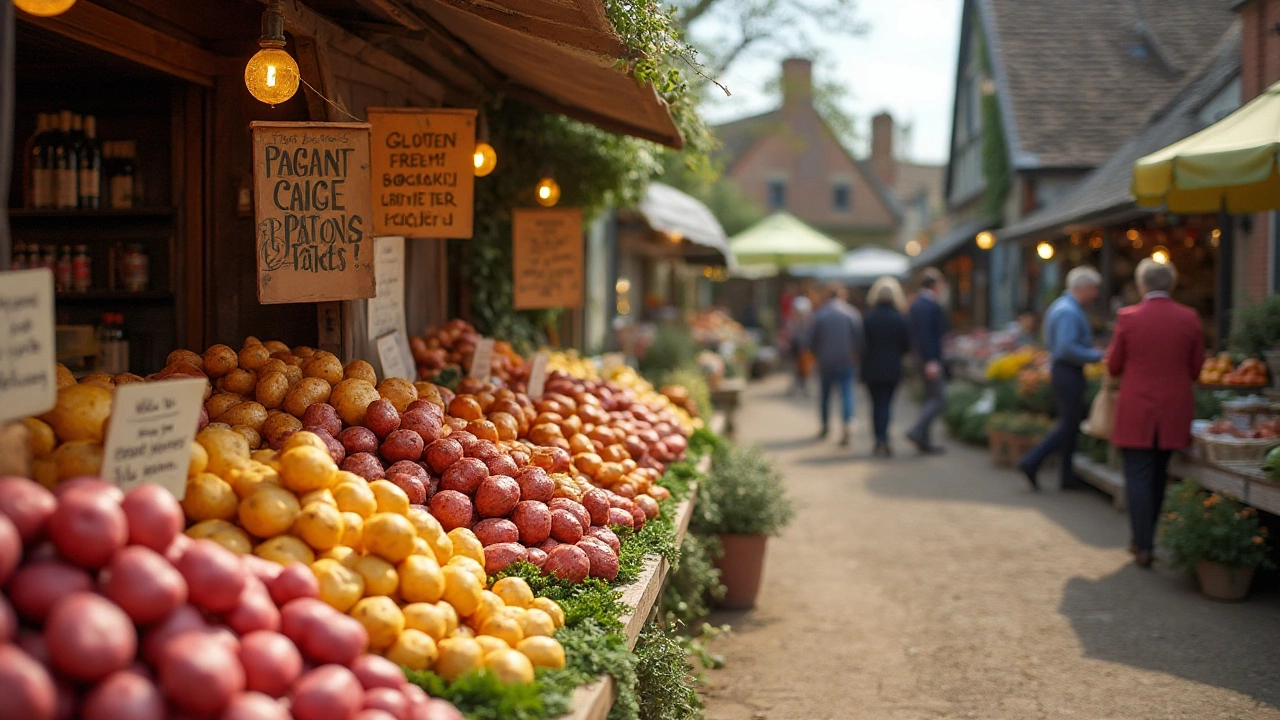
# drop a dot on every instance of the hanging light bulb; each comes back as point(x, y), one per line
point(44, 8)
point(912, 247)
point(1160, 254)
point(272, 74)
point(1045, 250)
point(547, 191)
point(985, 240)
point(485, 157)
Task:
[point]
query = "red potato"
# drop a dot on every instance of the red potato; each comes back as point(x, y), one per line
point(33, 644)
point(177, 549)
point(498, 557)
point(549, 544)
point(422, 404)
point(501, 465)
point(373, 714)
point(358, 440)
point(254, 610)
point(215, 577)
point(261, 568)
point(537, 557)
point(497, 496)
point(88, 527)
point(89, 637)
point(452, 508)
point(337, 450)
point(429, 426)
point(402, 445)
point(26, 686)
point(496, 530)
point(322, 415)
point(28, 505)
point(464, 438)
point(388, 700)
point(649, 506)
point(330, 692)
point(377, 672)
point(552, 459)
point(412, 486)
point(442, 453)
point(455, 424)
point(382, 417)
point(294, 581)
point(638, 518)
point(603, 560)
point(533, 519)
point(183, 620)
point(154, 515)
point(90, 483)
point(338, 639)
point(10, 548)
point(254, 706)
point(579, 512)
point(8, 621)
point(271, 662)
point(520, 458)
point(618, 501)
point(568, 562)
point(565, 527)
point(605, 535)
point(535, 484)
point(596, 503)
point(36, 587)
point(366, 465)
point(414, 694)
point(485, 450)
point(200, 676)
point(618, 516)
point(464, 476)
point(124, 695)
point(410, 468)
point(143, 583)
point(436, 709)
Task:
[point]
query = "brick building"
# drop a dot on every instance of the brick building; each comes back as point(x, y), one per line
point(1258, 243)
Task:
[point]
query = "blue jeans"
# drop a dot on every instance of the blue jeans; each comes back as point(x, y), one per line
point(844, 377)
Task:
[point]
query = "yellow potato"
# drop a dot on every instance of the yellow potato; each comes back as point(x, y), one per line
point(360, 370)
point(323, 365)
point(244, 479)
point(275, 346)
point(389, 536)
point(277, 425)
point(209, 497)
point(430, 530)
point(413, 649)
point(239, 381)
point(466, 544)
point(199, 459)
point(226, 447)
point(353, 531)
point(323, 495)
point(461, 589)
point(389, 497)
point(268, 511)
point(64, 376)
point(81, 413)
point(543, 652)
point(305, 468)
point(502, 627)
point(41, 439)
point(272, 388)
point(514, 591)
point(340, 586)
point(45, 472)
point(305, 438)
point(489, 644)
point(220, 403)
point(380, 576)
point(184, 357)
point(224, 533)
point(294, 373)
point(551, 608)
point(76, 458)
point(248, 413)
point(399, 391)
point(511, 667)
point(421, 579)
point(319, 525)
point(351, 398)
point(490, 603)
point(536, 622)
point(429, 392)
point(382, 619)
point(306, 393)
point(251, 436)
point(343, 554)
point(285, 549)
point(471, 566)
point(126, 379)
point(428, 618)
point(355, 496)
point(450, 615)
point(457, 657)
point(100, 379)
point(253, 357)
point(219, 360)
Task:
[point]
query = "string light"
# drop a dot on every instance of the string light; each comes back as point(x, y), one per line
point(1045, 250)
point(547, 191)
point(913, 247)
point(1215, 237)
point(485, 157)
point(675, 237)
point(272, 74)
point(1160, 254)
point(44, 8)
point(985, 240)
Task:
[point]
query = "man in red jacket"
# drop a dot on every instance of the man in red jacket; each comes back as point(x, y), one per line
point(1156, 352)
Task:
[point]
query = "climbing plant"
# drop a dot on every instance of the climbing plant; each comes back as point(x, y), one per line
point(995, 156)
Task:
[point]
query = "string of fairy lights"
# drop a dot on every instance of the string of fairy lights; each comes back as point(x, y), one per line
point(272, 76)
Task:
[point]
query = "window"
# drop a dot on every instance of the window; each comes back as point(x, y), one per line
point(777, 194)
point(841, 197)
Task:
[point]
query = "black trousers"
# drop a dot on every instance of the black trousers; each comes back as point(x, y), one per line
point(1068, 396)
point(881, 406)
point(1146, 472)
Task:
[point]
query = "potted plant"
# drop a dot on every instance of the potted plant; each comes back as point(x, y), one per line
point(1216, 537)
point(998, 438)
point(744, 501)
point(1255, 330)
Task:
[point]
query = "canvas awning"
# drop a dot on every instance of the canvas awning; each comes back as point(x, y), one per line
point(783, 240)
point(957, 239)
point(684, 218)
point(860, 267)
point(1230, 165)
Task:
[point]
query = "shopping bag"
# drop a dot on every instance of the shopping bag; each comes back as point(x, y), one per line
point(1102, 414)
point(805, 363)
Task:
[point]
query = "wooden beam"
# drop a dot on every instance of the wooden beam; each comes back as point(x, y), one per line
point(364, 29)
point(395, 10)
point(311, 66)
point(576, 35)
point(604, 122)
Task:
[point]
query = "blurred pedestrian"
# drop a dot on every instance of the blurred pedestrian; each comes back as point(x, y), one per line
point(1069, 340)
point(929, 325)
point(799, 328)
point(888, 339)
point(1156, 351)
point(836, 341)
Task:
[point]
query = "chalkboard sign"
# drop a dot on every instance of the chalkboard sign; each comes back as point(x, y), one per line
point(311, 193)
point(423, 172)
point(547, 255)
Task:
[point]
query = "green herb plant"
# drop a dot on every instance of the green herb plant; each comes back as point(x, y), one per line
point(1255, 329)
point(743, 495)
point(1197, 525)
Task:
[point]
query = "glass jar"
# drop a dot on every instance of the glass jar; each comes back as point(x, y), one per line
point(135, 269)
point(81, 270)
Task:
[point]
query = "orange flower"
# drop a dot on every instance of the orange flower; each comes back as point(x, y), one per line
point(1257, 540)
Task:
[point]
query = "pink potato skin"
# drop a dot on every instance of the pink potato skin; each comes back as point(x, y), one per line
point(452, 509)
point(322, 415)
point(381, 417)
point(536, 484)
point(498, 557)
point(402, 445)
point(26, 686)
point(442, 453)
point(618, 516)
point(464, 476)
point(497, 496)
point(36, 587)
point(596, 503)
point(533, 519)
point(565, 527)
point(28, 504)
point(567, 562)
point(411, 485)
point(89, 637)
point(410, 468)
point(154, 515)
point(501, 465)
point(358, 440)
point(638, 518)
point(423, 422)
point(605, 535)
point(603, 561)
point(537, 557)
point(366, 465)
point(496, 530)
point(579, 512)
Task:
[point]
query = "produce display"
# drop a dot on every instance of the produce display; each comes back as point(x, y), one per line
point(1219, 370)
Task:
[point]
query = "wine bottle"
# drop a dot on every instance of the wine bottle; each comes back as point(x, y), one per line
point(90, 158)
point(65, 167)
point(40, 158)
point(124, 176)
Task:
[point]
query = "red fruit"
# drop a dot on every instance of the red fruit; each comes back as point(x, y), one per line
point(28, 504)
point(10, 548)
point(154, 515)
point(499, 557)
point(92, 484)
point(143, 583)
point(648, 505)
point(294, 581)
point(89, 637)
point(638, 518)
point(402, 445)
point(536, 484)
point(388, 700)
point(271, 662)
point(323, 416)
point(464, 438)
point(358, 440)
point(464, 476)
point(442, 453)
point(215, 577)
point(88, 527)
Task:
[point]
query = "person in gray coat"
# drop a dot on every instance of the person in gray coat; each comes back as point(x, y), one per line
point(837, 341)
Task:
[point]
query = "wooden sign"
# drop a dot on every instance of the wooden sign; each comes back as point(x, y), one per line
point(548, 257)
point(150, 432)
point(423, 172)
point(28, 383)
point(312, 200)
point(482, 360)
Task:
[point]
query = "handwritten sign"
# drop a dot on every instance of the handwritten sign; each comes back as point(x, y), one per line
point(386, 310)
point(538, 374)
point(482, 361)
point(396, 357)
point(150, 433)
point(423, 172)
point(311, 194)
point(547, 254)
point(28, 383)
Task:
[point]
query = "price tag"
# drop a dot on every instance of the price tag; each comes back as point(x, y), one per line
point(385, 312)
point(482, 361)
point(150, 433)
point(28, 382)
point(538, 374)
point(396, 357)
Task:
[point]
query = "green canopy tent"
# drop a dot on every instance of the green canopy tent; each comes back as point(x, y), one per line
point(780, 241)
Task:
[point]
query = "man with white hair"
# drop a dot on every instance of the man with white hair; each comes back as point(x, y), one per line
point(1069, 339)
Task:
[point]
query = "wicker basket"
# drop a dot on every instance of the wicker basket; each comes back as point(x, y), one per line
point(1235, 452)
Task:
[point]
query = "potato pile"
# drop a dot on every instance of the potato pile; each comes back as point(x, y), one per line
point(453, 345)
point(110, 613)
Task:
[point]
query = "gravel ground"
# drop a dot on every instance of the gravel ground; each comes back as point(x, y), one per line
point(943, 588)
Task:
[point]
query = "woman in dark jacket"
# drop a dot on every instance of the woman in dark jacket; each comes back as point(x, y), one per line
point(888, 339)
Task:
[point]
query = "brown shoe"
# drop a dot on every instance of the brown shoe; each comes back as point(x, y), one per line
point(1133, 549)
point(1142, 558)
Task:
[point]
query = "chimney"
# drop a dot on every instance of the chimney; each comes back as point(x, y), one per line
point(882, 160)
point(797, 82)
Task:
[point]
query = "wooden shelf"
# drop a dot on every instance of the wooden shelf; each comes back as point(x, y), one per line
point(115, 296)
point(100, 214)
point(1249, 485)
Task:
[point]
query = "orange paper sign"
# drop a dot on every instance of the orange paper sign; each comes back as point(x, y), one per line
point(547, 255)
point(423, 172)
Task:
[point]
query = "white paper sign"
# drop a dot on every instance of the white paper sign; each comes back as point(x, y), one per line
point(396, 357)
point(150, 433)
point(386, 311)
point(538, 375)
point(482, 361)
point(28, 382)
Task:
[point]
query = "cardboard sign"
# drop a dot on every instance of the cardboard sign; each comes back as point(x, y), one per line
point(423, 172)
point(538, 375)
point(396, 357)
point(547, 254)
point(28, 383)
point(150, 432)
point(482, 361)
point(385, 311)
point(311, 194)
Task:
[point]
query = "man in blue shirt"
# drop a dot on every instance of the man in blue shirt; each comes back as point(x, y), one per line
point(1069, 339)
point(837, 341)
point(929, 327)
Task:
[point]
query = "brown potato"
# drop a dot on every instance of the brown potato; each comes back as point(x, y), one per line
point(279, 424)
point(294, 373)
point(240, 382)
point(41, 439)
point(271, 389)
point(76, 458)
point(65, 378)
point(325, 366)
point(399, 392)
point(184, 357)
point(81, 413)
point(351, 398)
point(221, 403)
point(304, 351)
point(253, 357)
point(307, 391)
point(250, 434)
point(102, 379)
point(220, 360)
point(126, 378)
point(272, 365)
point(251, 414)
point(250, 341)
point(275, 346)
point(429, 392)
point(360, 370)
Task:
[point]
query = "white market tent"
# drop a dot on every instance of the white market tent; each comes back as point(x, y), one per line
point(862, 266)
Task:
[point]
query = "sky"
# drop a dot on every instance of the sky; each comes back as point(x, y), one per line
point(904, 63)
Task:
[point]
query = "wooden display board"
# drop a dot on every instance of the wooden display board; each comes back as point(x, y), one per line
point(423, 172)
point(547, 255)
point(312, 210)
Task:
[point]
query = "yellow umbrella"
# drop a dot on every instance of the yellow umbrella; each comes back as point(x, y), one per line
point(1230, 165)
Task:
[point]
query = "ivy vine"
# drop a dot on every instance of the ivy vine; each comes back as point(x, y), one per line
point(995, 155)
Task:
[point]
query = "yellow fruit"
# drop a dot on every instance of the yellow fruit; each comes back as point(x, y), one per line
point(458, 656)
point(551, 608)
point(543, 651)
point(430, 530)
point(342, 554)
point(470, 566)
point(427, 617)
point(355, 496)
point(489, 643)
point(304, 438)
point(340, 586)
point(466, 543)
point(268, 511)
point(265, 455)
point(209, 497)
point(81, 413)
point(462, 631)
point(421, 579)
point(450, 615)
point(323, 495)
point(514, 591)
point(510, 666)
point(389, 536)
point(380, 576)
point(422, 547)
point(45, 472)
point(319, 525)
point(199, 460)
point(490, 603)
point(285, 549)
point(382, 619)
point(352, 530)
point(389, 498)
point(461, 589)
point(247, 477)
point(502, 627)
point(536, 622)
point(76, 458)
point(414, 649)
point(224, 533)
point(226, 448)
point(305, 468)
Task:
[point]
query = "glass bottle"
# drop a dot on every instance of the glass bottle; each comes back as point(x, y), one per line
point(65, 165)
point(135, 269)
point(37, 180)
point(113, 346)
point(48, 258)
point(81, 270)
point(19, 259)
point(124, 176)
point(90, 158)
point(63, 272)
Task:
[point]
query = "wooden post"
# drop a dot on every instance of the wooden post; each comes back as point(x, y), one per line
point(1224, 296)
point(1106, 262)
point(6, 128)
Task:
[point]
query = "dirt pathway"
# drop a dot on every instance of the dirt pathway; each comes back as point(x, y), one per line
point(942, 588)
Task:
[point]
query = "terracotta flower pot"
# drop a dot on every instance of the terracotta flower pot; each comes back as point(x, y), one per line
point(998, 444)
point(740, 568)
point(1223, 582)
